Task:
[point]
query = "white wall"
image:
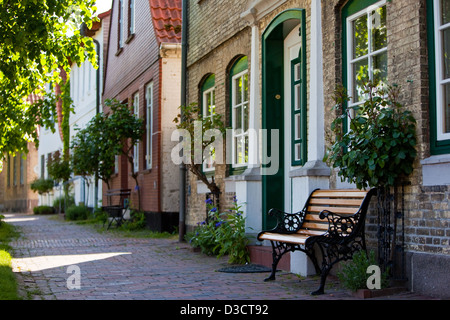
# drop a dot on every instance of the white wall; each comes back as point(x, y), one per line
point(83, 91)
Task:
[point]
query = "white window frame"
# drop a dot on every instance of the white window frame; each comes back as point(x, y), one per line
point(350, 60)
point(137, 145)
point(149, 123)
point(121, 23)
point(239, 133)
point(440, 81)
point(210, 92)
point(132, 16)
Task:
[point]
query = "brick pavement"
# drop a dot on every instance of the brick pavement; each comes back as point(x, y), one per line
point(114, 267)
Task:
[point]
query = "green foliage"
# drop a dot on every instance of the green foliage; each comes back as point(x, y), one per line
point(191, 120)
point(43, 210)
point(38, 39)
point(80, 212)
point(58, 167)
point(8, 283)
point(223, 234)
point(93, 150)
point(354, 274)
point(136, 222)
point(105, 136)
point(379, 146)
point(63, 202)
point(42, 186)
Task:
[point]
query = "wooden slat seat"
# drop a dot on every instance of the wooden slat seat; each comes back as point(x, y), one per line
point(329, 218)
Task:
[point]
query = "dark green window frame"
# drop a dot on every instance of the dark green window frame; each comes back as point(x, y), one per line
point(298, 113)
point(437, 147)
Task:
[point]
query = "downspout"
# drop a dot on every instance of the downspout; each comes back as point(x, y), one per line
point(184, 23)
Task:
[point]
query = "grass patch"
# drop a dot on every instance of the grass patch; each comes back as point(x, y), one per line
point(8, 282)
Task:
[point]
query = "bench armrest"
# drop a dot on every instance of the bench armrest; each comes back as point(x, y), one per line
point(287, 223)
point(340, 225)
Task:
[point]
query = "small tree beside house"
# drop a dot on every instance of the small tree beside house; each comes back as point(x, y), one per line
point(106, 136)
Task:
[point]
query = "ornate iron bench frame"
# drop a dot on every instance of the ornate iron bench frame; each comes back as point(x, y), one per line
point(332, 220)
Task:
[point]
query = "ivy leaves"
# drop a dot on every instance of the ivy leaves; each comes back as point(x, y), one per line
point(379, 146)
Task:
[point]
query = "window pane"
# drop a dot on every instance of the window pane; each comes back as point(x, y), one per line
point(379, 32)
point(360, 37)
point(360, 74)
point(246, 87)
point(238, 150)
point(297, 97)
point(246, 149)
point(297, 152)
point(245, 116)
point(446, 52)
point(380, 68)
point(446, 109)
point(213, 102)
point(238, 88)
point(238, 118)
point(297, 127)
point(208, 104)
point(445, 11)
point(297, 72)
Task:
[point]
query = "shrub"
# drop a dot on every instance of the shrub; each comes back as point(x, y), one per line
point(42, 186)
point(223, 234)
point(379, 146)
point(62, 202)
point(44, 210)
point(136, 222)
point(354, 274)
point(77, 213)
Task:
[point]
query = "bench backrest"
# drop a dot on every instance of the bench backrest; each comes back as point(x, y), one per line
point(117, 196)
point(344, 202)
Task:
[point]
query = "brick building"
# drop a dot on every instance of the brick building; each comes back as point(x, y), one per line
point(143, 70)
point(19, 171)
point(293, 53)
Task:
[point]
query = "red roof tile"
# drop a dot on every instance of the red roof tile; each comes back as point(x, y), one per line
point(166, 16)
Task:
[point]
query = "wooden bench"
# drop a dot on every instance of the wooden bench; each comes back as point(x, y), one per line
point(332, 220)
point(116, 211)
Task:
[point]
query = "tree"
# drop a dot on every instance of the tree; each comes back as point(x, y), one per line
point(126, 130)
point(37, 39)
point(189, 120)
point(106, 136)
point(59, 169)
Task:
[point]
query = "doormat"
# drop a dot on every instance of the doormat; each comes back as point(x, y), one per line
point(247, 268)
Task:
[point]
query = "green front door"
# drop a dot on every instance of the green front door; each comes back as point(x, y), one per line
point(275, 115)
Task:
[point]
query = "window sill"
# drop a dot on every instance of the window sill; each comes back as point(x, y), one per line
point(249, 174)
point(119, 51)
point(436, 170)
point(311, 169)
point(130, 37)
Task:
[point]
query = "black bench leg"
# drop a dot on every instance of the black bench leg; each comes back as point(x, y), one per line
point(277, 253)
point(323, 278)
